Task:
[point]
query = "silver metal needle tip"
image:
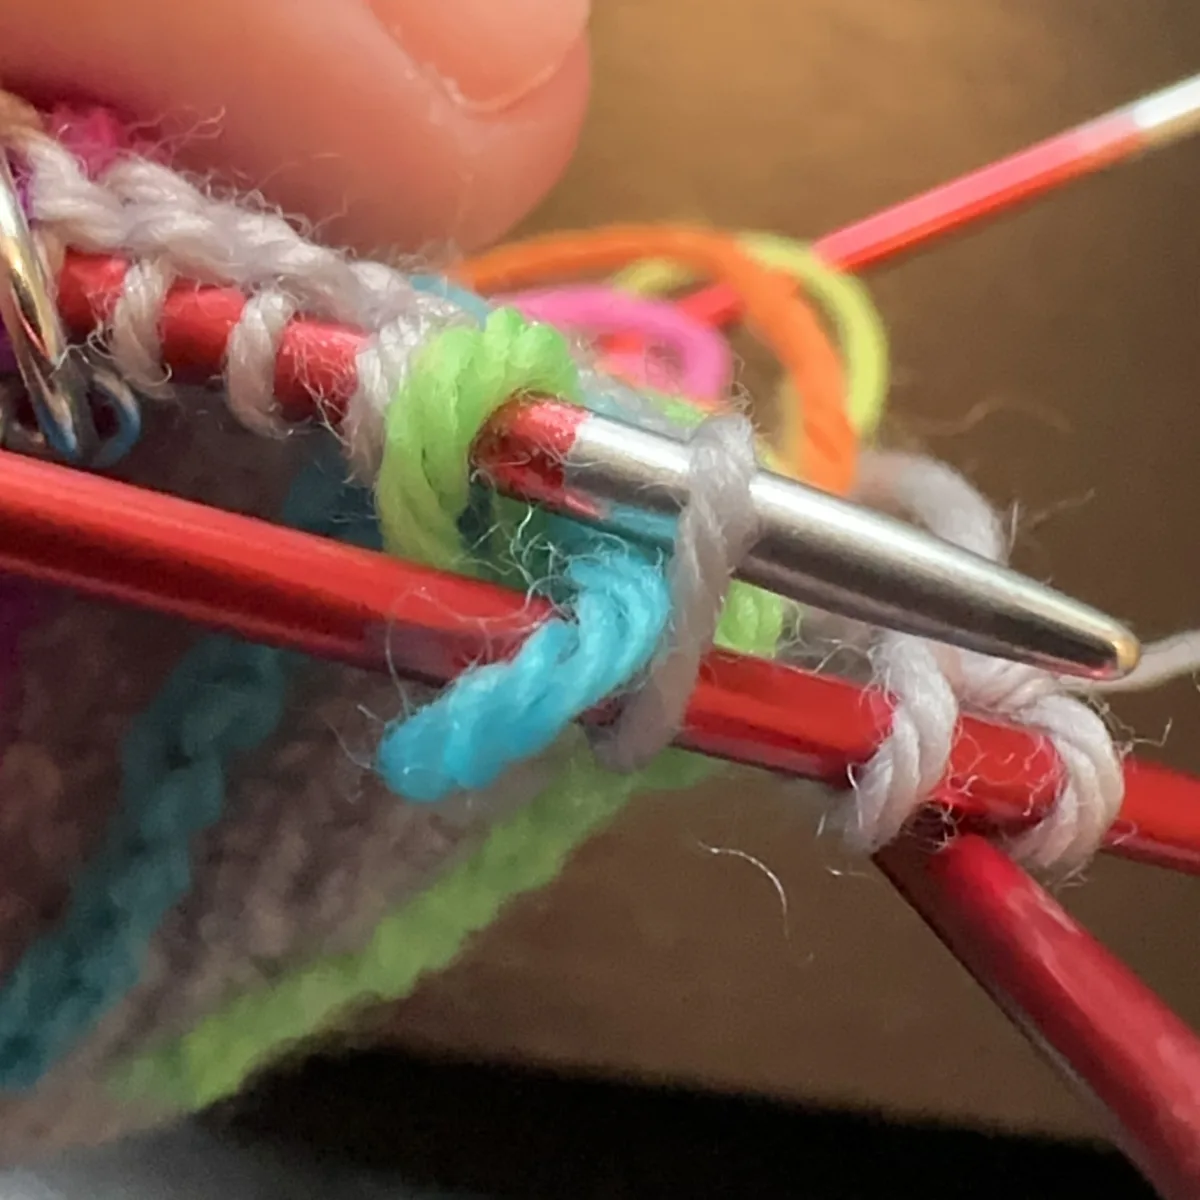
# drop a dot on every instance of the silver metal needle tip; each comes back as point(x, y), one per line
point(814, 548)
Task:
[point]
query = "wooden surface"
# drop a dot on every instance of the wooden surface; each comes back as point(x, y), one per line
point(1055, 357)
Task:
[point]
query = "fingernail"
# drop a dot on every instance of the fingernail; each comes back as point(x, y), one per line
point(487, 53)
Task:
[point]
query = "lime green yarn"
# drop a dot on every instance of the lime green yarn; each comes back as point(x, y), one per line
point(456, 383)
point(682, 412)
point(751, 621)
point(860, 330)
point(859, 327)
point(653, 277)
point(523, 853)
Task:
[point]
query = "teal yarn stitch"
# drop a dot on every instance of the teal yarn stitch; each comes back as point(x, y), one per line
point(494, 716)
point(224, 697)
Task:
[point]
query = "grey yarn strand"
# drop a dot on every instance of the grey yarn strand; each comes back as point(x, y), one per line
point(716, 529)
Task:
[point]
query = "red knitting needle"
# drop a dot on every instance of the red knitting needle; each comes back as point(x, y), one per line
point(317, 359)
point(1155, 121)
point(117, 542)
point(1112, 1038)
point(1096, 1017)
point(112, 541)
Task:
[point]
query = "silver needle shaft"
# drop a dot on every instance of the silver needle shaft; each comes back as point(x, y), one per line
point(814, 548)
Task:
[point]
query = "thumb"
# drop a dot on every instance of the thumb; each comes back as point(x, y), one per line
point(393, 123)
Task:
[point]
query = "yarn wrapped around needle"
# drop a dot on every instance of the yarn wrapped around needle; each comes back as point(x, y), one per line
point(279, 843)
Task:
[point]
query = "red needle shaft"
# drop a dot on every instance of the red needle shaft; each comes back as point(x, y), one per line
point(1159, 119)
point(116, 542)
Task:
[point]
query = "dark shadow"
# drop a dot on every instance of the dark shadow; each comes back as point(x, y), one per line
point(506, 1132)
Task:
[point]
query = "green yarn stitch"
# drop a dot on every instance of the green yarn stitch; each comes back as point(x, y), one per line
point(424, 480)
point(453, 388)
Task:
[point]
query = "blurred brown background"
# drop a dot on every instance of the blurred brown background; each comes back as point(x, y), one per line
point(1056, 357)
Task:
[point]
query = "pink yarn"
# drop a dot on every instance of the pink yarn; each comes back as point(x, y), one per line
point(95, 135)
point(698, 362)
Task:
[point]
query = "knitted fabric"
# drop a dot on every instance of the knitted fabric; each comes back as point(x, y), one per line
point(157, 955)
point(309, 851)
point(264, 858)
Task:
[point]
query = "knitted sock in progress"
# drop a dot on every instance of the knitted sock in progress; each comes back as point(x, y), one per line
point(271, 845)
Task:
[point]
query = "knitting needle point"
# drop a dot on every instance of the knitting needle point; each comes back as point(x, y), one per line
point(1153, 122)
point(813, 548)
point(52, 378)
point(318, 359)
point(1165, 116)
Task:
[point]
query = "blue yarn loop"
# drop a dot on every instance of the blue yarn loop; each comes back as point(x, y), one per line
point(615, 604)
point(494, 716)
point(224, 697)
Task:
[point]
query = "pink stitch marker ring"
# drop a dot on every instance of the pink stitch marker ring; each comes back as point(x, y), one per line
point(704, 368)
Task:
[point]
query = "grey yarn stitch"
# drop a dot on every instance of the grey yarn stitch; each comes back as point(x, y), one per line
point(717, 527)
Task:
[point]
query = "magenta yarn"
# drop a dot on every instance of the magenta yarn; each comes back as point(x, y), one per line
point(698, 361)
point(95, 135)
